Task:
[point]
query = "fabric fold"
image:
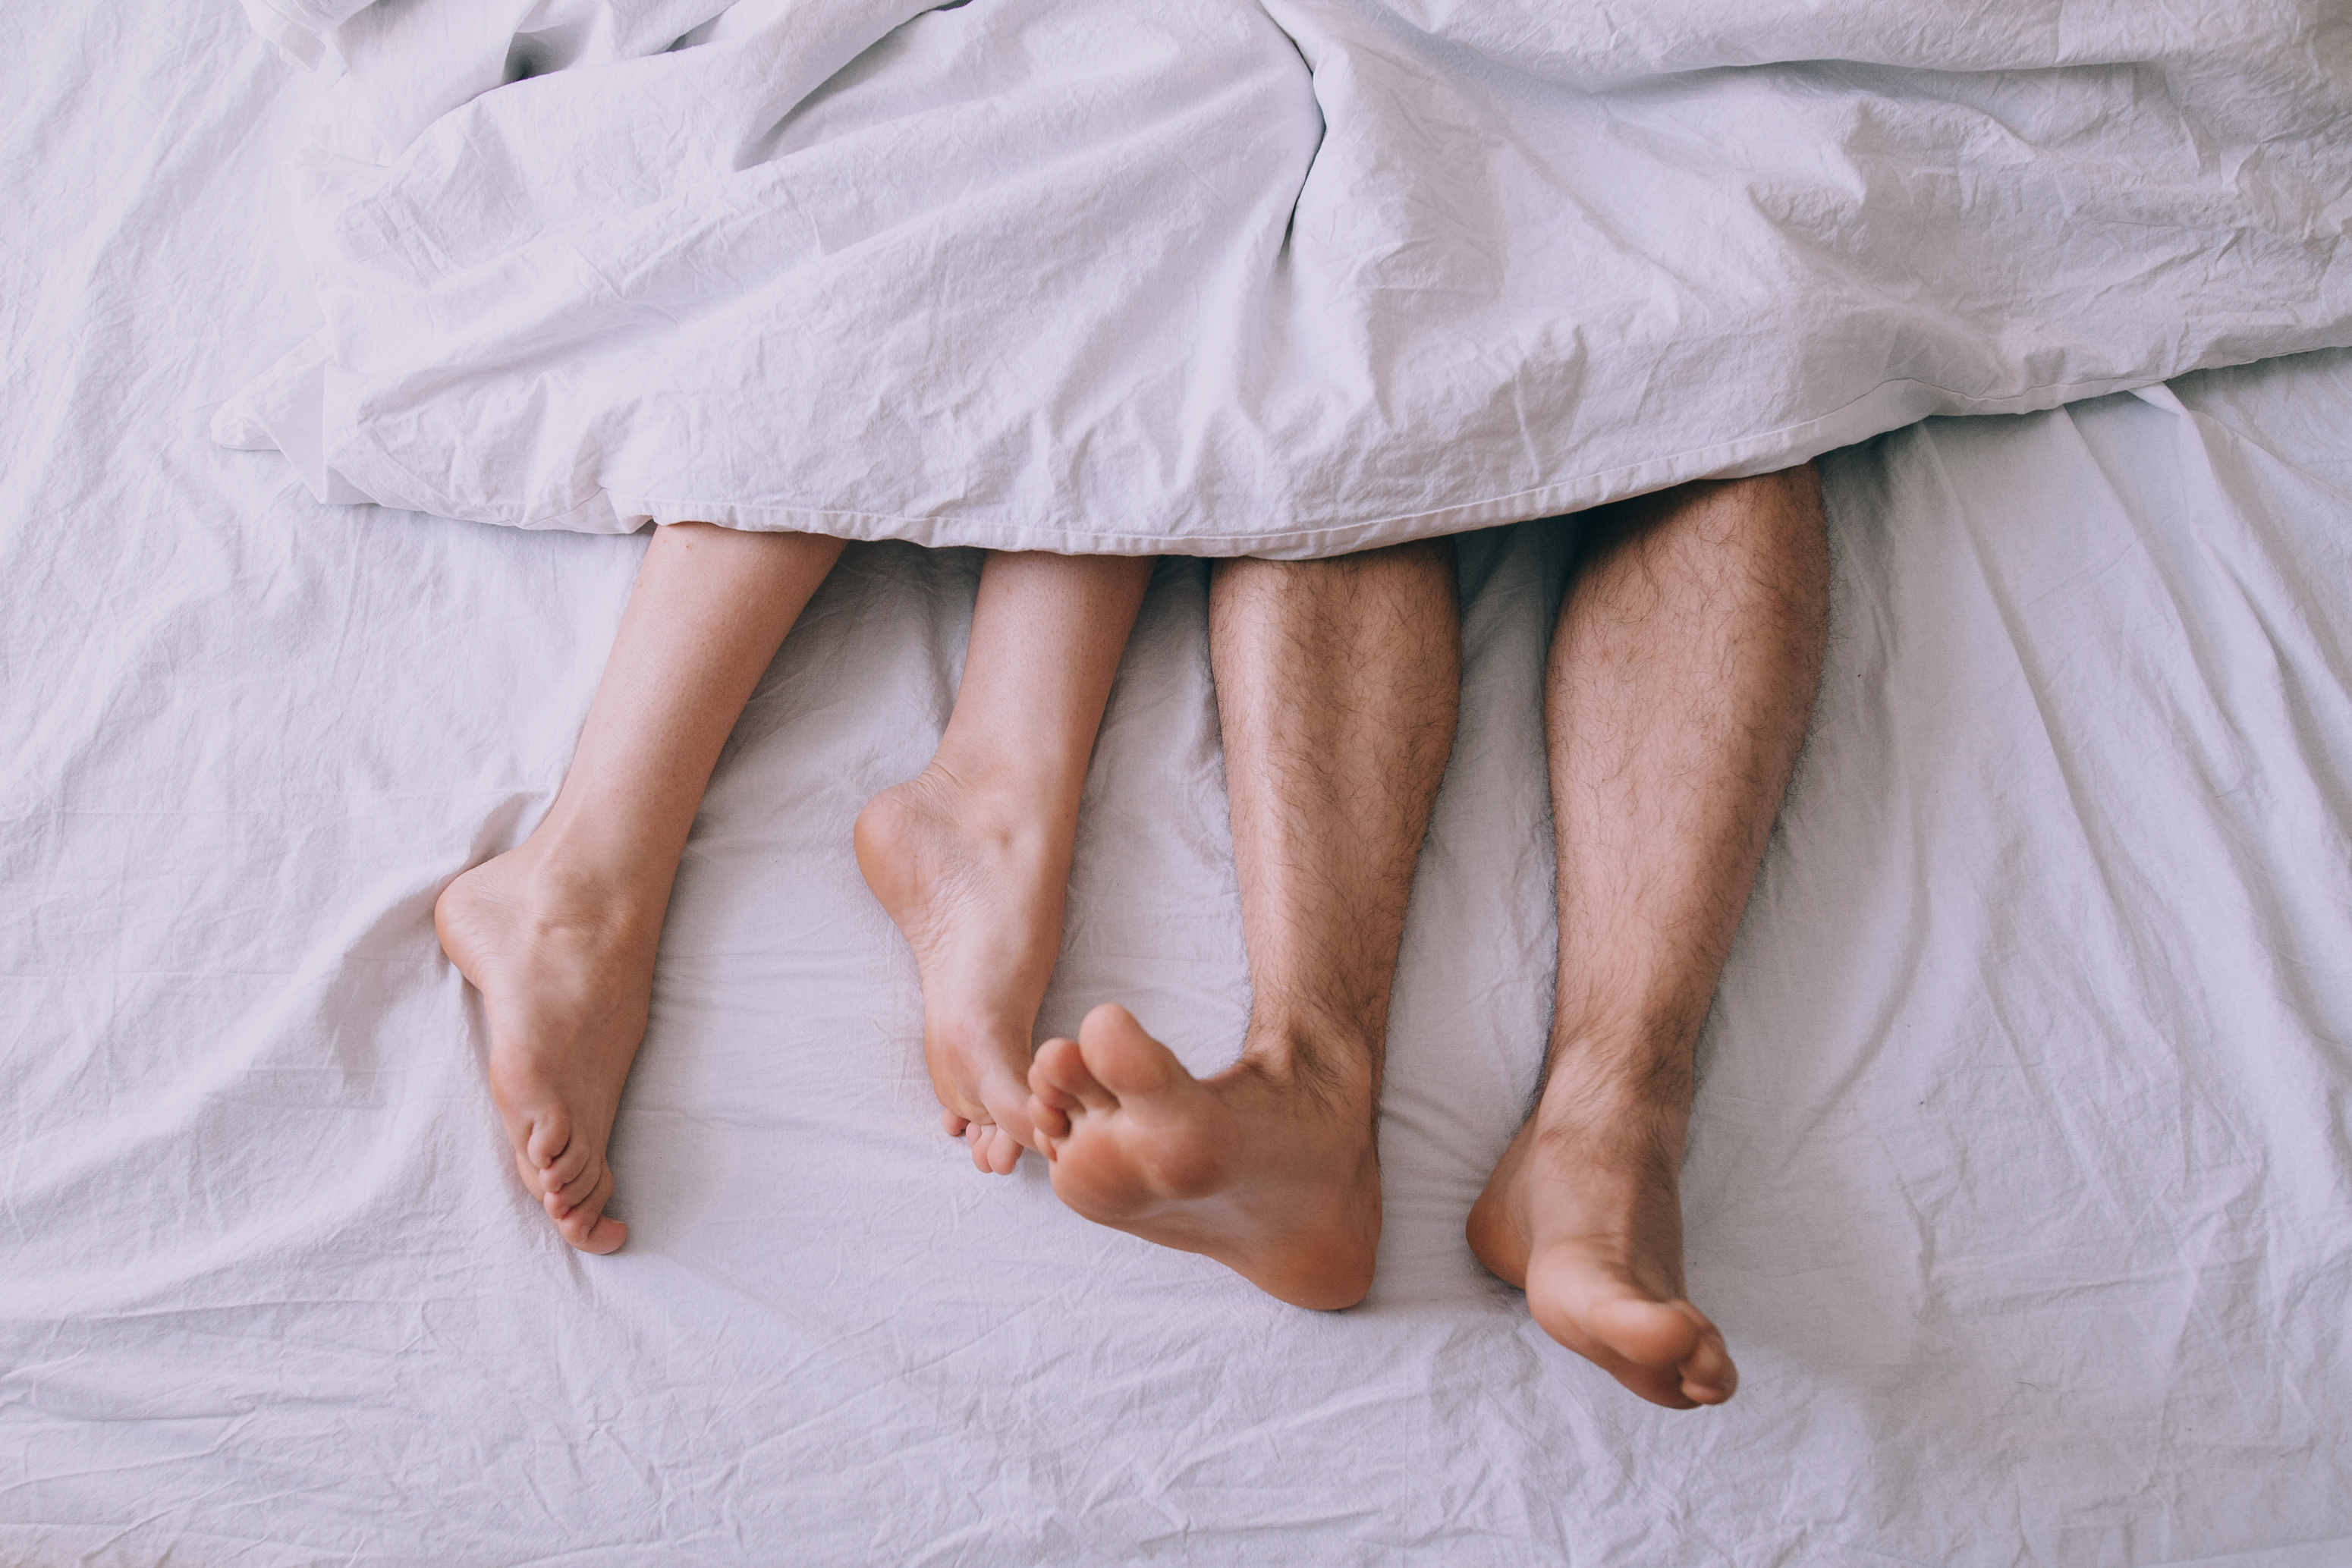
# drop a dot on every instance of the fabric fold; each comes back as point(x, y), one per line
point(1281, 279)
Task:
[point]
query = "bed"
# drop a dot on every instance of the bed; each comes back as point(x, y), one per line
point(2020, 1179)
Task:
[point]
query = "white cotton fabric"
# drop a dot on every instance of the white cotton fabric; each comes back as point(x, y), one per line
point(2020, 1176)
point(1286, 279)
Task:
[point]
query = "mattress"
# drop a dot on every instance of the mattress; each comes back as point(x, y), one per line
point(2019, 1180)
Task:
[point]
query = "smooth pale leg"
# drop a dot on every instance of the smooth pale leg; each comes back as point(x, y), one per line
point(559, 934)
point(971, 857)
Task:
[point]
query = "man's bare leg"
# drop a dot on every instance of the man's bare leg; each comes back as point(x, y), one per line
point(559, 933)
point(971, 857)
point(1681, 682)
point(1338, 684)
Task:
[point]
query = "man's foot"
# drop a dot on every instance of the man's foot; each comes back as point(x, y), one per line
point(566, 977)
point(1585, 1217)
point(976, 882)
point(1275, 1182)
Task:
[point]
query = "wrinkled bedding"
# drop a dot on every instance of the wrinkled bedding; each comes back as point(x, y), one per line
point(1283, 278)
point(2021, 1171)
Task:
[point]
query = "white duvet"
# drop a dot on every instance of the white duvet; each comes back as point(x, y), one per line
point(1291, 277)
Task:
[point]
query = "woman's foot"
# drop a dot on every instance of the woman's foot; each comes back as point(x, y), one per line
point(565, 966)
point(1278, 1184)
point(975, 879)
point(1583, 1214)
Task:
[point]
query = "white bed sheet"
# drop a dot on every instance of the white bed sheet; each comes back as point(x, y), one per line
point(2020, 1178)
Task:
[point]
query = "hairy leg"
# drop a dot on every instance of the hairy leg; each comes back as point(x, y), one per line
point(559, 933)
point(1338, 686)
point(1681, 682)
point(971, 857)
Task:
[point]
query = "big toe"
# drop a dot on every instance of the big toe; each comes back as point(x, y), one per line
point(1667, 1351)
point(1708, 1375)
point(1122, 1057)
point(599, 1234)
point(585, 1224)
point(1654, 1333)
point(1672, 1339)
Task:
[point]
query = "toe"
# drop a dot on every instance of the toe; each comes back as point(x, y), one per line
point(1660, 1335)
point(1047, 1122)
point(1708, 1375)
point(608, 1234)
point(549, 1138)
point(1061, 1077)
point(1667, 1351)
point(586, 1225)
point(559, 1202)
point(1657, 1387)
point(1122, 1058)
point(570, 1168)
point(562, 1200)
point(1007, 1103)
point(1044, 1088)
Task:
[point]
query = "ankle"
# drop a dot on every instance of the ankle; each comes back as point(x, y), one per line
point(1333, 1065)
point(1023, 780)
point(1638, 1087)
point(564, 876)
point(1000, 800)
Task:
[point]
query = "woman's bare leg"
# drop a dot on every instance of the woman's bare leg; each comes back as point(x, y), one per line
point(559, 933)
point(971, 857)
